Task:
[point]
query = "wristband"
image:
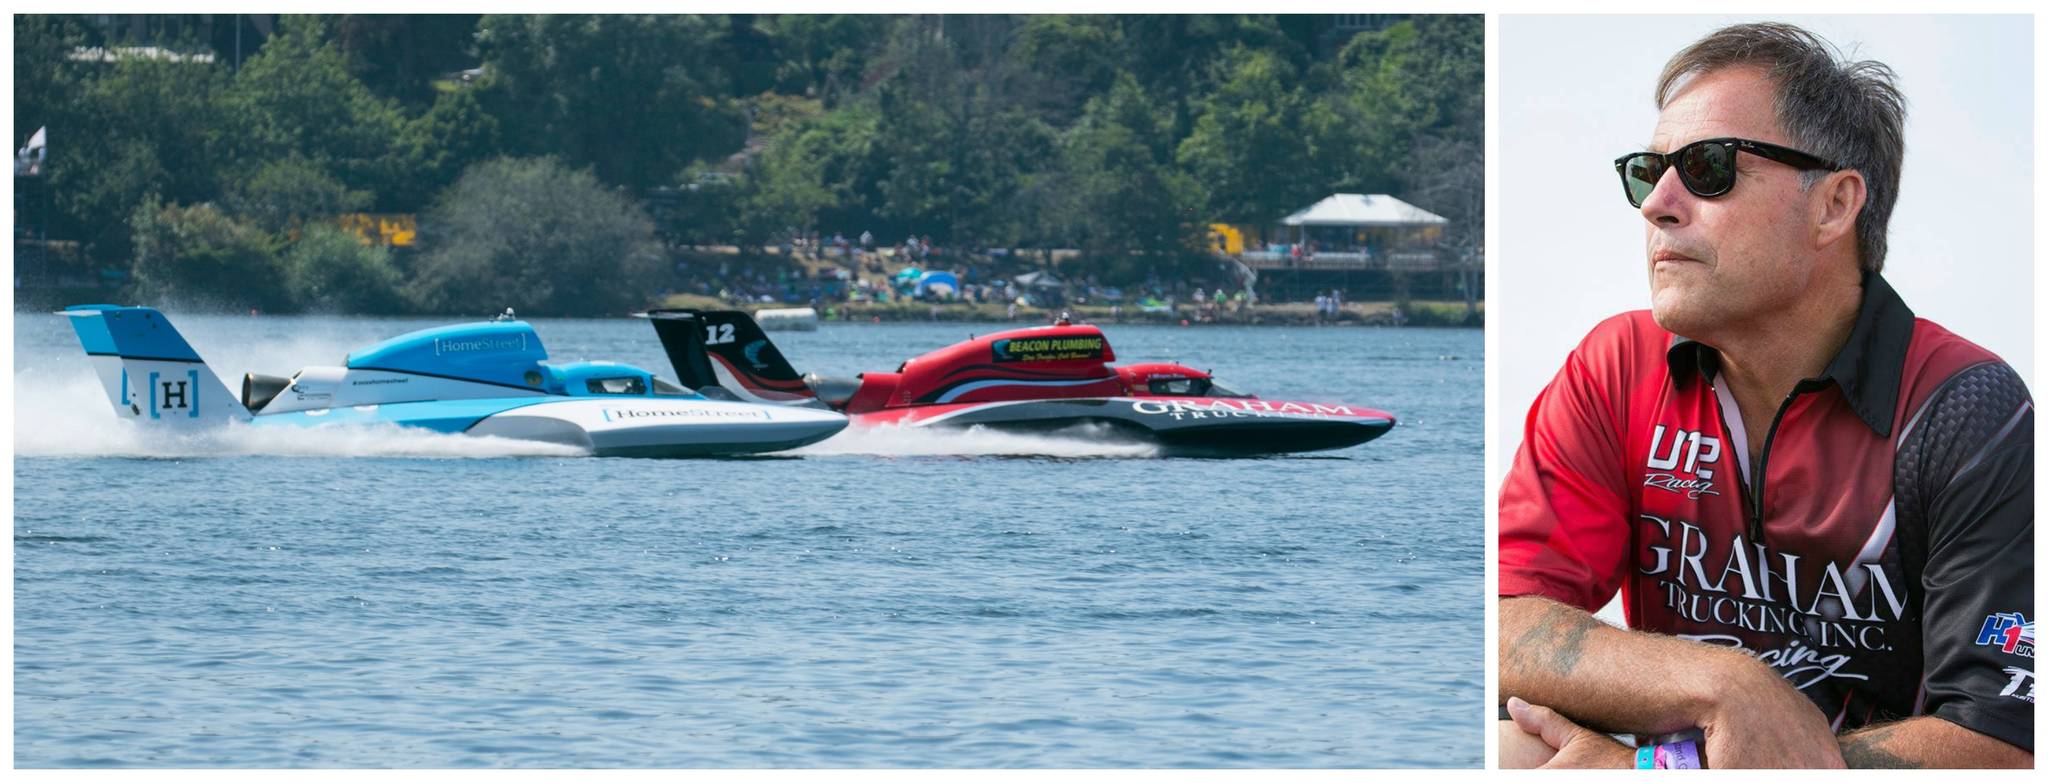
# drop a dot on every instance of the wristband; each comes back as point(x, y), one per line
point(1676, 755)
point(1646, 757)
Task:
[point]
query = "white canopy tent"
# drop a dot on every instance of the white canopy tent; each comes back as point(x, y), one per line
point(1354, 209)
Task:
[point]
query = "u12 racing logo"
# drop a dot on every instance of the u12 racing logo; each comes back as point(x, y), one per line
point(1682, 467)
point(2009, 632)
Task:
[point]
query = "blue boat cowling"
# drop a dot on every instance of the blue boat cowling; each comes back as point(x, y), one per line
point(507, 353)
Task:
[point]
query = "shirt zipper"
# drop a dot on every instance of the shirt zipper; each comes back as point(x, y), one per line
point(1755, 497)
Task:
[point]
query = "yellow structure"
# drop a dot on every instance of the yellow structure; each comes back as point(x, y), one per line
point(1228, 237)
point(391, 230)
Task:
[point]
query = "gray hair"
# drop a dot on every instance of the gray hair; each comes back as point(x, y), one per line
point(1850, 112)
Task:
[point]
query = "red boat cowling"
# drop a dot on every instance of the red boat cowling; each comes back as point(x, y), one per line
point(1021, 364)
point(1047, 378)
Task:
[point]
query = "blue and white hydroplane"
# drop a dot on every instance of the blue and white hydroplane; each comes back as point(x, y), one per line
point(489, 378)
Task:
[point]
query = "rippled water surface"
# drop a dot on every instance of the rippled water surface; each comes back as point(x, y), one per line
point(392, 599)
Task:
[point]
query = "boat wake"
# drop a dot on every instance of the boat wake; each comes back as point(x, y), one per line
point(67, 417)
point(63, 414)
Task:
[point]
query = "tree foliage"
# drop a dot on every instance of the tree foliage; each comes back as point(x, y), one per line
point(296, 98)
point(814, 174)
point(634, 97)
point(1128, 194)
point(284, 194)
point(537, 236)
point(1247, 149)
point(1116, 134)
point(200, 257)
point(825, 55)
point(437, 146)
point(399, 56)
point(329, 270)
point(144, 128)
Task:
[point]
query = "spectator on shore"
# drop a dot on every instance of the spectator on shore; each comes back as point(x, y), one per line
point(1322, 305)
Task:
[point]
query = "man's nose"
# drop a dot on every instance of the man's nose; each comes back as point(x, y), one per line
point(1669, 204)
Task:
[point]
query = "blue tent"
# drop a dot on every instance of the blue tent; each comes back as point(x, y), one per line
point(946, 282)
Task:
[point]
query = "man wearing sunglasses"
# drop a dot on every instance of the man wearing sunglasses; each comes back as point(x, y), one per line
point(1816, 508)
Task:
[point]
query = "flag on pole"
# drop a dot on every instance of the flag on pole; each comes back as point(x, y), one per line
point(28, 161)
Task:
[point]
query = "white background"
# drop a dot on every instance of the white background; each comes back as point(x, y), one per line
point(1575, 92)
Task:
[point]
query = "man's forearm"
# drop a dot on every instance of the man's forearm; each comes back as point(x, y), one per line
point(1928, 742)
point(1609, 678)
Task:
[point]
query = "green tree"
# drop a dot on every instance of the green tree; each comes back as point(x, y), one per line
point(330, 270)
point(47, 83)
point(748, 55)
point(1079, 56)
point(955, 145)
point(825, 55)
point(284, 194)
point(537, 236)
point(436, 147)
point(1128, 194)
point(821, 173)
point(1389, 89)
point(142, 127)
point(200, 257)
point(399, 56)
point(1444, 170)
point(296, 97)
point(1247, 148)
point(637, 98)
point(1182, 58)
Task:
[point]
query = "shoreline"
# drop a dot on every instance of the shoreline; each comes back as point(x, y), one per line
point(1434, 314)
point(1376, 314)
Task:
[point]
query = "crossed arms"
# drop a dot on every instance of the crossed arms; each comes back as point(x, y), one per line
point(1583, 678)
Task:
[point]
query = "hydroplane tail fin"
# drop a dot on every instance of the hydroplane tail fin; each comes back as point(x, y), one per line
point(726, 349)
point(150, 374)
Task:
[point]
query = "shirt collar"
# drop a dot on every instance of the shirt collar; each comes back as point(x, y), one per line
point(1868, 368)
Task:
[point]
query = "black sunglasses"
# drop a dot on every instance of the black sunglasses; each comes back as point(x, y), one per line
point(1706, 167)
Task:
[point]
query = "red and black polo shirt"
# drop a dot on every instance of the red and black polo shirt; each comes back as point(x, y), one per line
point(1878, 551)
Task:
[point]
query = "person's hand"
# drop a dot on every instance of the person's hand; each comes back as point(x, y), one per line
point(1577, 746)
point(1759, 721)
point(1520, 749)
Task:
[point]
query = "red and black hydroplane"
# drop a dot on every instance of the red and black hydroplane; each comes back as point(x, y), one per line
point(1044, 379)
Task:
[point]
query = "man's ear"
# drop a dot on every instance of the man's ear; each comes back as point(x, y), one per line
point(1838, 199)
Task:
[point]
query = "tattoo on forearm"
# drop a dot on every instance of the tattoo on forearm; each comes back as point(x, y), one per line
point(1863, 750)
point(1556, 640)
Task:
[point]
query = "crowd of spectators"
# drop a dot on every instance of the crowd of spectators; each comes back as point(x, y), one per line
point(827, 269)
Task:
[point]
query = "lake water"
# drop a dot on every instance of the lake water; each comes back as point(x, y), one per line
point(384, 598)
